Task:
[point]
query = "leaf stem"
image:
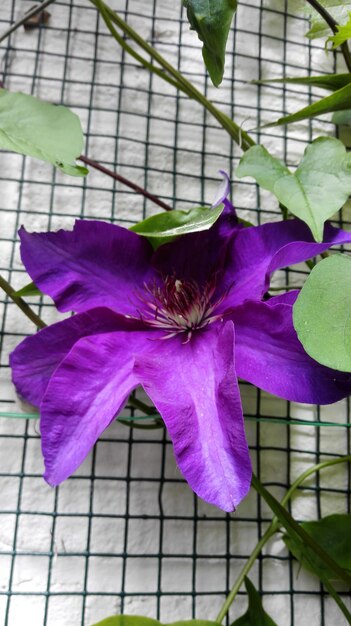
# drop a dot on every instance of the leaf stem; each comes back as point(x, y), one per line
point(333, 26)
point(244, 572)
point(272, 529)
point(31, 13)
point(169, 73)
point(285, 288)
point(304, 540)
point(312, 470)
point(125, 181)
point(25, 308)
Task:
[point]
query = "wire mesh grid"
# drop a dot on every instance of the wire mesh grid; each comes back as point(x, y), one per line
point(125, 533)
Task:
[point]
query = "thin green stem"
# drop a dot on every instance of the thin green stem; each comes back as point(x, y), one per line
point(307, 544)
point(295, 530)
point(122, 42)
point(138, 404)
point(31, 13)
point(312, 470)
point(310, 264)
point(170, 73)
point(155, 425)
point(285, 288)
point(25, 308)
point(271, 530)
point(244, 572)
point(332, 591)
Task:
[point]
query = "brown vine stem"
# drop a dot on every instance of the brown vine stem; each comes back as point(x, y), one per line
point(25, 308)
point(333, 26)
point(126, 182)
point(31, 13)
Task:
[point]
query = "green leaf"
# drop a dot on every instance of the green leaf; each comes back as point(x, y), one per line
point(338, 9)
point(332, 82)
point(337, 101)
point(321, 313)
point(42, 130)
point(303, 541)
point(255, 614)
point(72, 170)
point(342, 35)
point(342, 118)
point(301, 537)
point(212, 20)
point(164, 227)
point(134, 620)
point(318, 188)
point(332, 533)
point(29, 290)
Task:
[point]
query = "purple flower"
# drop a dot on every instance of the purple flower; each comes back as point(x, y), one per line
point(184, 322)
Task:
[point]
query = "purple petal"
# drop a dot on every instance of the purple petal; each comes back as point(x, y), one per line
point(270, 356)
point(284, 298)
point(260, 250)
point(195, 389)
point(96, 263)
point(222, 191)
point(200, 256)
point(86, 391)
point(34, 360)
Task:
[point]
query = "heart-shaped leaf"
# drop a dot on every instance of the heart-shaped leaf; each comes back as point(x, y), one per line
point(333, 534)
point(255, 614)
point(321, 313)
point(42, 130)
point(318, 188)
point(135, 620)
point(163, 227)
point(211, 19)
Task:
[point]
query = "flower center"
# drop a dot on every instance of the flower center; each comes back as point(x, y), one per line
point(179, 306)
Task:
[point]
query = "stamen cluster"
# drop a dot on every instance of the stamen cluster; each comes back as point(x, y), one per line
point(179, 306)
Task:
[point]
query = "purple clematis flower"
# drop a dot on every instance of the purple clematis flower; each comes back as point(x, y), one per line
point(184, 322)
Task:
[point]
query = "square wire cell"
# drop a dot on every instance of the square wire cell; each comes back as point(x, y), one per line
point(125, 533)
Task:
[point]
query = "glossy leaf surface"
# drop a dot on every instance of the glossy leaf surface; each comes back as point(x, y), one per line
point(165, 226)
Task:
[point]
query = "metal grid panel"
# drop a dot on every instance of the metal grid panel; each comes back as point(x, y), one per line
point(125, 533)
